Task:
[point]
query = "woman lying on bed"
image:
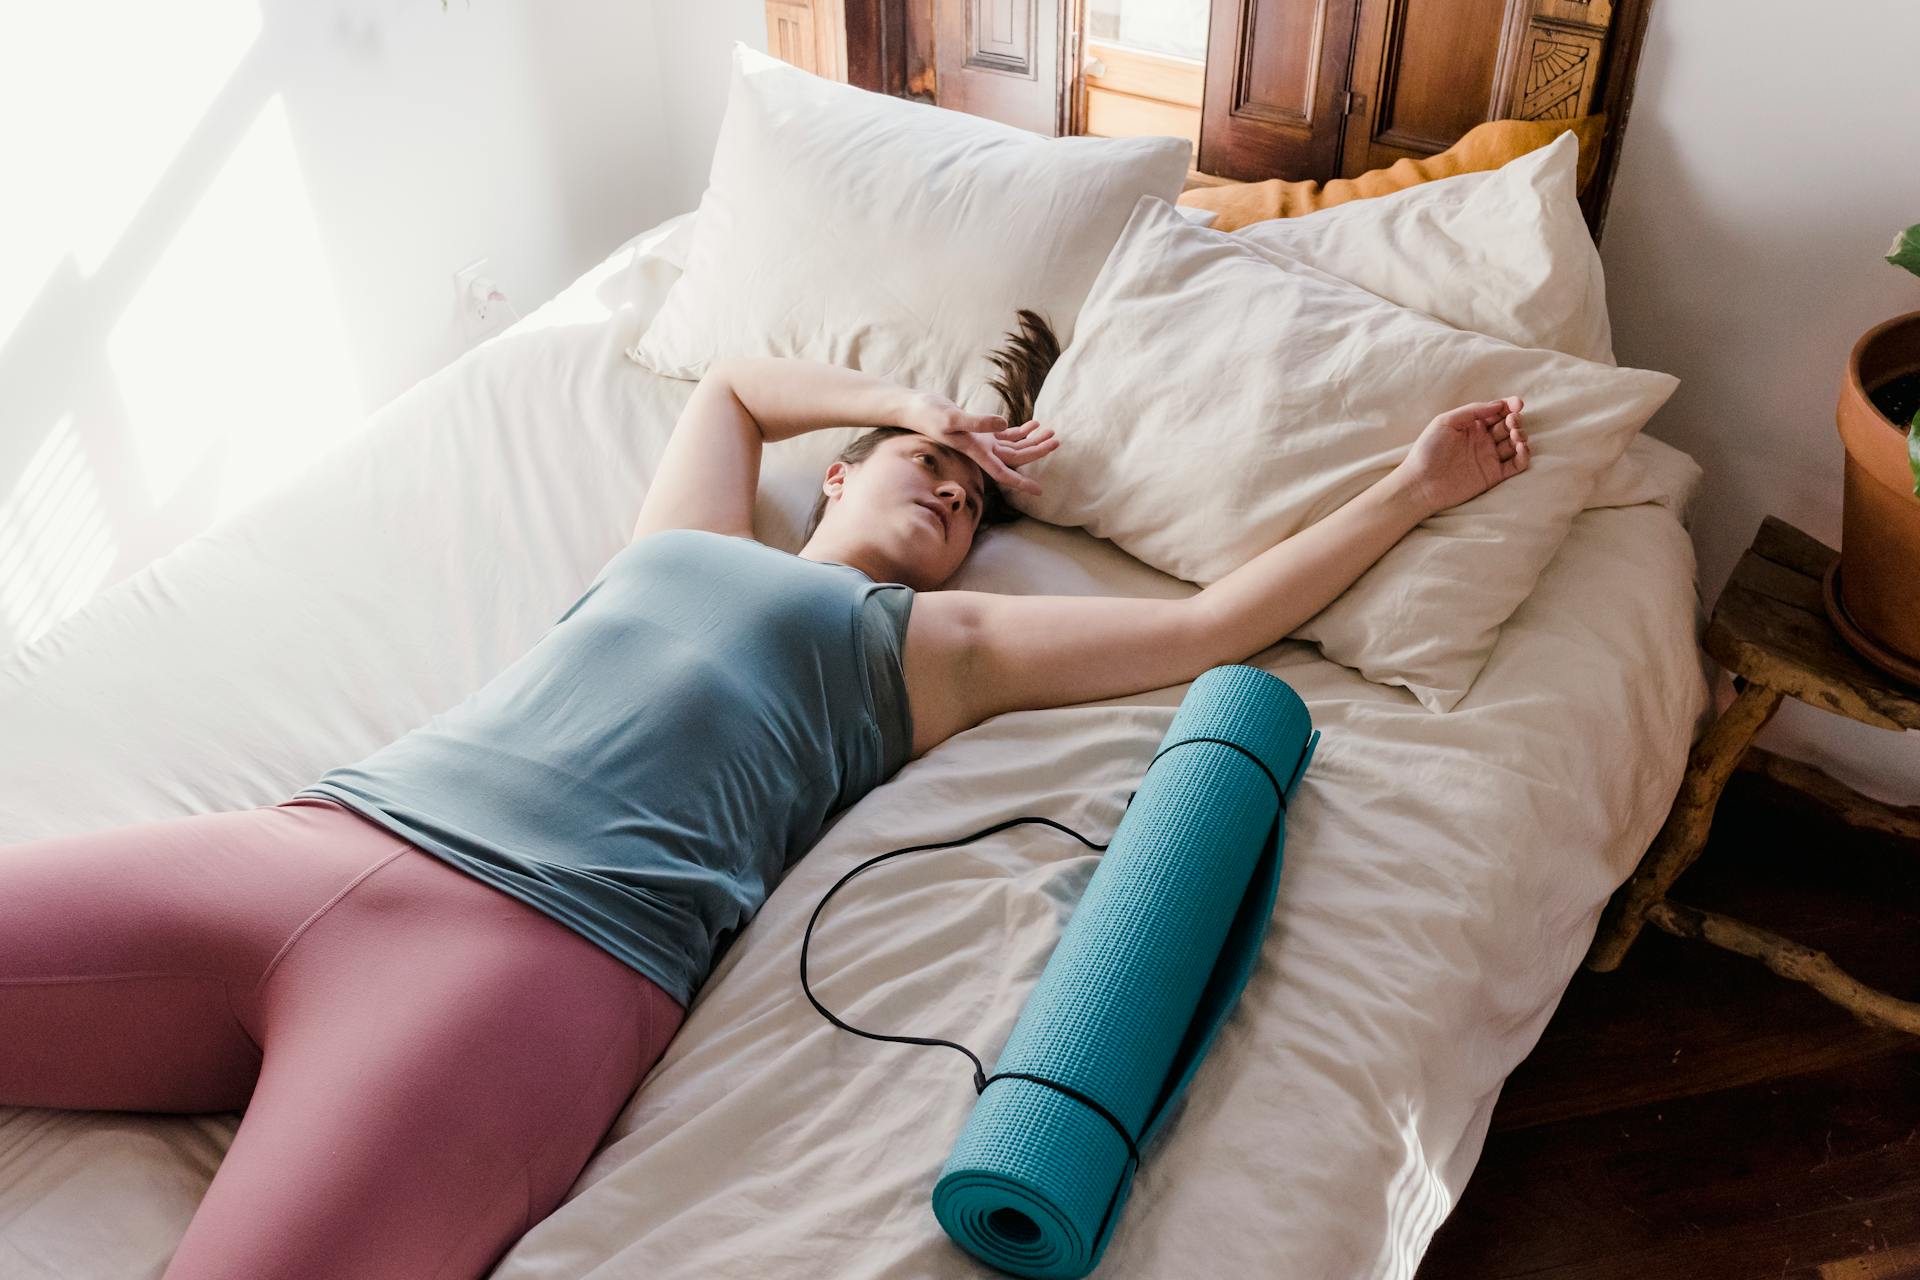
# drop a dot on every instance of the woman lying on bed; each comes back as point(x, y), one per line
point(903, 503)
point(433, 978)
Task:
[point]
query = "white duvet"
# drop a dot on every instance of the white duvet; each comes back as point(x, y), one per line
point(1443, 873)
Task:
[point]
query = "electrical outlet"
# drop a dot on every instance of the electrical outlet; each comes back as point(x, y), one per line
point(463, 281)
point(478, 300)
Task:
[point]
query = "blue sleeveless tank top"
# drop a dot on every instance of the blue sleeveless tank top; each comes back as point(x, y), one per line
point(651, 768)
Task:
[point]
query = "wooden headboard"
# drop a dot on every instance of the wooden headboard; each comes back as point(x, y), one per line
point(1292, 88)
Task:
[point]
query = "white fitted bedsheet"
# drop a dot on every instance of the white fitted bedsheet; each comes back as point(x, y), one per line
point(1443, 875)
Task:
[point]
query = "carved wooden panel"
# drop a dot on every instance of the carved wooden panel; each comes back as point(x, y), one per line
point(1000, 35)
point(1003, 59)
point(1559, 72)
point(1554, 59)
point(1275, 87)
point(1424, 74)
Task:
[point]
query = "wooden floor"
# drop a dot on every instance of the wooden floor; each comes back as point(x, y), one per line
point(1691, 1114)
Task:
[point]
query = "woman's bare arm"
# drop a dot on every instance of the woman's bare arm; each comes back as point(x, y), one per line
point(1027, 652)
point(710, 470)
point(1267, 597)
point(1461, 454)
point(789, 397)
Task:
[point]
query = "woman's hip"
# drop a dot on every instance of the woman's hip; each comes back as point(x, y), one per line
point(303, 909)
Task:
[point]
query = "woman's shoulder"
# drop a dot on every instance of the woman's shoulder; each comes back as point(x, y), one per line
point(692, 536)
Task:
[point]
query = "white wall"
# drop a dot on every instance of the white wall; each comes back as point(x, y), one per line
point(1772, 153)
point(694, 78)
point(231, 234)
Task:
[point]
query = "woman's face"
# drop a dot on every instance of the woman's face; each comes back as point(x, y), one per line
point(912, 505)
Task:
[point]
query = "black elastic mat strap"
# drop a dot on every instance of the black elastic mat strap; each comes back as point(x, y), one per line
point(1279, 792)
point(1133, 1151)
point(979, 1071)
point(980, 1078)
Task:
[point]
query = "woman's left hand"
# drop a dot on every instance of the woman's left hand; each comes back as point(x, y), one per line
point(985, 437)
point(1466, 451)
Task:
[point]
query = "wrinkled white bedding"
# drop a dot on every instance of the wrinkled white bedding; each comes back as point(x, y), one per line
point(1443, 873)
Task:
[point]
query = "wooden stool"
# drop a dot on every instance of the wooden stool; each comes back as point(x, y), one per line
point(1770, 629)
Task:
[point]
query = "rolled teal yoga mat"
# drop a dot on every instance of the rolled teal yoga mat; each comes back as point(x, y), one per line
point(1143, 977)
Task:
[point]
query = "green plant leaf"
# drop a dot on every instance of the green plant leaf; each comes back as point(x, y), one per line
point(1913, 452)
point(1906, 249)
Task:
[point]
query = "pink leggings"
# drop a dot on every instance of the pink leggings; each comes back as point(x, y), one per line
point(425, 1062)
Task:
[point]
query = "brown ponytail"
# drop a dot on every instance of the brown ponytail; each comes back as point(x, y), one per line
point(1023, 364)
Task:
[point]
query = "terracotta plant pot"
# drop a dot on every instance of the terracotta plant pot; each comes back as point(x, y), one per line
point(1873, 593)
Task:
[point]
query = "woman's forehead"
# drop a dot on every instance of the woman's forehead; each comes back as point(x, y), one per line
point(951, 458)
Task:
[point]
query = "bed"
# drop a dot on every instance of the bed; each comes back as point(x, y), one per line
point(1443, 877)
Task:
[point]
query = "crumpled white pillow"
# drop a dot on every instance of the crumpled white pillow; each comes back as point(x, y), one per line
point(1505, 252)
point(1215, 401)
point(890, 236)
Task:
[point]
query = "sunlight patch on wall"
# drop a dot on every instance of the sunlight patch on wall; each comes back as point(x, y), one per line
point(236, 340)
point(99, 99)
point(55, 545)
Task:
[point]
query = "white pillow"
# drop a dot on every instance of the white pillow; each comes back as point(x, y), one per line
point(891, 236)
point(1214, 402)
point(1504, 252)
point(675, 235)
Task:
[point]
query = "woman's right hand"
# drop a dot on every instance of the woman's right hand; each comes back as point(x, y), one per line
point(985, 437)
